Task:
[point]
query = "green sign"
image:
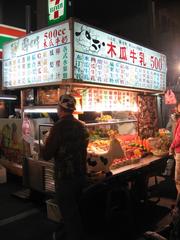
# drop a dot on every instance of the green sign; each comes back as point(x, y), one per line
point(57, 11)
point(4, 39)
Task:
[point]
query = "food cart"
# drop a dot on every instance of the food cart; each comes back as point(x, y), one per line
point(117, 85)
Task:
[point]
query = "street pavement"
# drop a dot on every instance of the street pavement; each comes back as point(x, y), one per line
point(25, 218)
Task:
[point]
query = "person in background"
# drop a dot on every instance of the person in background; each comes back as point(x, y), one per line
point(67, 144)
point(175, 150)
point(171, 125)
point(172, 231)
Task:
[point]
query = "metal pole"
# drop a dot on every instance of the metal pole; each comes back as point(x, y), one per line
point(70, 8)
point(28, 18)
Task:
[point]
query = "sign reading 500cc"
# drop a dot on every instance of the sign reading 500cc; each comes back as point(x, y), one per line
point(54, 33)
point(37, 59)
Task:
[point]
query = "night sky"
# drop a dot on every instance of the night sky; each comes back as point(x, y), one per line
point(95, 12)
point(91, 11)
point(14, 13)
point(109, 16)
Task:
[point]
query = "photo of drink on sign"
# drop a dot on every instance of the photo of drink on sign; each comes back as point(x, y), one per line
point(106, 59)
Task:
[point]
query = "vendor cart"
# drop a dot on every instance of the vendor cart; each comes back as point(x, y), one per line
point(117, 84)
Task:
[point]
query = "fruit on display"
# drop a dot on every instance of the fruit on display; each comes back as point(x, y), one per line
point(100, 158)
point(123, 161)
point(132, 146)
point(134, 150)
point(98, 134)
point(104, 118)
point(160, 144)
point(108, 149)
point(99, 145)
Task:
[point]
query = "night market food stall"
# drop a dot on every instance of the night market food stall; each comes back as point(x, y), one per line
point(117, 85)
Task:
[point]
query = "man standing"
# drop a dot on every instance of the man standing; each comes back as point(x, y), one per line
point(67, 144)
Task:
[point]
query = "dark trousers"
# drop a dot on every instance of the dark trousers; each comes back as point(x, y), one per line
point(68, 193)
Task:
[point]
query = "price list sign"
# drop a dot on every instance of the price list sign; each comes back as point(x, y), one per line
point(95, 99)
point(39, 58)
point(102, 58)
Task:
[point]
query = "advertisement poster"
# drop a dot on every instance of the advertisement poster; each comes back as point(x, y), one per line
point(102, 58)
point(39, 58)
point(11, 144)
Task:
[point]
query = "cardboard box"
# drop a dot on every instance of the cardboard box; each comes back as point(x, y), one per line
point(3, 176)
point(53, 212)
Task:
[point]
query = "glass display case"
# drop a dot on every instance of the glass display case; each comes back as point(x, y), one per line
point(113, 143)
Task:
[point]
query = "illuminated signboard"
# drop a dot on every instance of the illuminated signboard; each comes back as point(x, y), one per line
point(102, 58)
point(57, 11)
point(45, 57)
point(39, 58)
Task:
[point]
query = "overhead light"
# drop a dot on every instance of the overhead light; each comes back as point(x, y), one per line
point(8, 97)
point(40, 110)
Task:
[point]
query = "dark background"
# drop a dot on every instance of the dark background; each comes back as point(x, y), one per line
point(127, 18)
point(99, 12)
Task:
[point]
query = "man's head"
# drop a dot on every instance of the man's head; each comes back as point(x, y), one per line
point(66, 104)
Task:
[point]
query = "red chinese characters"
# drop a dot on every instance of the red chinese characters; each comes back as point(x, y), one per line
point(123, 53)
point(55, 37)
point(136, 55)
point(133, 55)
point(142, 59)
point(111, 50)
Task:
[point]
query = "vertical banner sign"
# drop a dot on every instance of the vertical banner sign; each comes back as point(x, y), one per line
point(56, 11)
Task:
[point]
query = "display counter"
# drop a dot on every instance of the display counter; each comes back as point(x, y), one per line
point(144, 162)
point(38, 174)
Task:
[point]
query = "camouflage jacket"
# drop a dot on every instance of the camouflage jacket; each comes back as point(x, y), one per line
point(67, 144)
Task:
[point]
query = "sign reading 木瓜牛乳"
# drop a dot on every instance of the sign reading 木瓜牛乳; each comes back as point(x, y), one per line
point(38, 58)
point(57, 11)
point(106, 59)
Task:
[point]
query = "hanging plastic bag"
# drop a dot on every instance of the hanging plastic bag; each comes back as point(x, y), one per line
point(170, 97)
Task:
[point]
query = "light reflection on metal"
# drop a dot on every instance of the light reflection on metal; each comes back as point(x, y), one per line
point(40, 110)
point(8, 97)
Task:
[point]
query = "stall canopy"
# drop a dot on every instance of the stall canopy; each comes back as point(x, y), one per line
point(8, 33)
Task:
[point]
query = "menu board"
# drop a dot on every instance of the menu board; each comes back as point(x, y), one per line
point(39, 58)
point(96, 99)
point(102, 58)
